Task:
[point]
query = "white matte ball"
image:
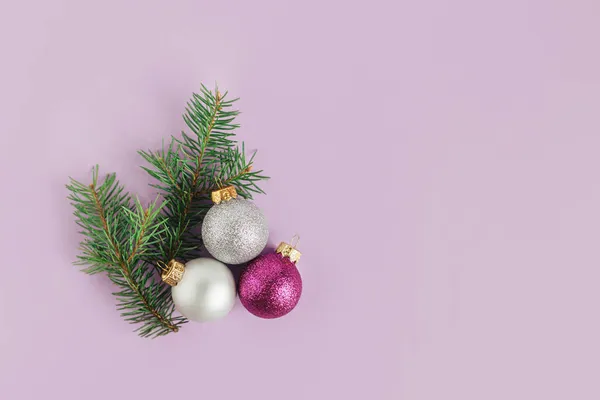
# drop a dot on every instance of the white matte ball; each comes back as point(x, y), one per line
point(206, 291)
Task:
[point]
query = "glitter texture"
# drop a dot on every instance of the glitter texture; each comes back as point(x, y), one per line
point(235, 231)
point(271, 286)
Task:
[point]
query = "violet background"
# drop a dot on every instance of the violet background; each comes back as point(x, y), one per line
point(438, 158)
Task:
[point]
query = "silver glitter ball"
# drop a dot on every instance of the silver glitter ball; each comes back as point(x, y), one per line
point(235, 231)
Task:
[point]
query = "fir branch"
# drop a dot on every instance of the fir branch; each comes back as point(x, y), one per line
point(192, 166)
point(236, 170)
point(128, 242)
point(119, 235)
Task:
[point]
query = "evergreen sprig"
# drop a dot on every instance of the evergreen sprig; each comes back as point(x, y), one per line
point(119, 235)
point(130, 242)
point(193, 165)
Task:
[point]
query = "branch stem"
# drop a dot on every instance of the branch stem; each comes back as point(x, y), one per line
point(123, 265)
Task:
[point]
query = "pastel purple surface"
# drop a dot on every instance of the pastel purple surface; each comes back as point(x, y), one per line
point(438, 158)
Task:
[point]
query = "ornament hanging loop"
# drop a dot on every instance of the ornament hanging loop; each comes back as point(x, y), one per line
point(163, 267)
point(295, 240)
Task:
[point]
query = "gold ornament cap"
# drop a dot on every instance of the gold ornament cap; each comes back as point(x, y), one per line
point(173, 274)
point(289, 250)
point(223, 194)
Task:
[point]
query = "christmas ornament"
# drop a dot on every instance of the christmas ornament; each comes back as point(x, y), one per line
point(234, 230)
point(271, 285)
point(203, 289)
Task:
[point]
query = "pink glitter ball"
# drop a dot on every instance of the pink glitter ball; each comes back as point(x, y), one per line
point(271, 286)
